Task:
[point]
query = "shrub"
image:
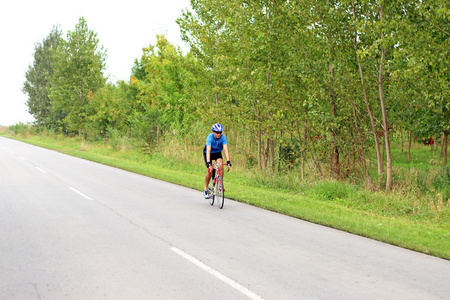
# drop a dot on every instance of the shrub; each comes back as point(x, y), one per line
point(115, 139)
point(442, 183)
point(19, 128)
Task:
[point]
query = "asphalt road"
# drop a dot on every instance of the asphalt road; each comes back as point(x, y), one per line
point(74, 229)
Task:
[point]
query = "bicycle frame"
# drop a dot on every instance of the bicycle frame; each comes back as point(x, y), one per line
point(216, 188)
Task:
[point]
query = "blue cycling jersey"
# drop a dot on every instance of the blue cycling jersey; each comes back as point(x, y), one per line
point(216, 144)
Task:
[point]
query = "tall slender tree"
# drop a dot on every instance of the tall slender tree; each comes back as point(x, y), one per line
point(79, 64)
point(37, 81)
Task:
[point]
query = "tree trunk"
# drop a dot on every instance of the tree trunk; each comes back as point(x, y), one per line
point(312, 152)
point(383, 113)
point(362, 156)
point(272, 154)
point(401, 132)
point(301, 143)
point(267, 143)
point(279, 153)
point(335, 168)
point(215, 76)
point(259, 138)
point(250, 141)
point(259, 146)
point(366, 100)
point(83, 136)
point(215, 87)
point(157, 135)
point(431, 147)
point(305, 137)
point(266, 153)
point(409, 146)
point(446, 132)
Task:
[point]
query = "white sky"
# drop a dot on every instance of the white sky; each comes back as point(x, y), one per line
point(122, 27)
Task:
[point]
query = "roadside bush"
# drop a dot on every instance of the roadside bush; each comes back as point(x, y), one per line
point(115, 139)
point(442, 183)
point(20, 128)
point(290, 151)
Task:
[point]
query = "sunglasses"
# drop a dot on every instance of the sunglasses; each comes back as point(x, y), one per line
point(218, 132)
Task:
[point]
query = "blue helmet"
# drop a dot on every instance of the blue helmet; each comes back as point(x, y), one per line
point(217, 127)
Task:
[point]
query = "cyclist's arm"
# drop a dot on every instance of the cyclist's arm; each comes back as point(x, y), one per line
point(225, 149)
point(208, 153)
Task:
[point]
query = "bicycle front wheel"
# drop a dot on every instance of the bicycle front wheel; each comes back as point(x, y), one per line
point(211, 192)
point(220, 192)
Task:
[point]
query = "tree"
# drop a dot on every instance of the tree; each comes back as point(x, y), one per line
point(78, 72)
point(162, 100)
point(431, 45)
point(422, 72)
point(37, 81)
point(333, 73)
point(106, 110)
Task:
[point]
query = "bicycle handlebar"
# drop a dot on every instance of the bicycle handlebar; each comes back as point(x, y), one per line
point(216, 166)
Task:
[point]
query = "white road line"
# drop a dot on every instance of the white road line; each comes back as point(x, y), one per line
point(43, 171)
point(79, 193)
point(213, 272)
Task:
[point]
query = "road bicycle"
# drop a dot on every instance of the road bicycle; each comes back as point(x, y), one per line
point(216, 190)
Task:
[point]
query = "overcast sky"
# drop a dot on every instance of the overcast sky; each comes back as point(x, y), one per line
point(122, 27)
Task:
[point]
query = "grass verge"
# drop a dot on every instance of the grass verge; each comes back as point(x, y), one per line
point(334, 204)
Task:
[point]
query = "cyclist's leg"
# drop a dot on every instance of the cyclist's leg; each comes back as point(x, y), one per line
point(207, 179)
point(220, 161)
point(208, 174)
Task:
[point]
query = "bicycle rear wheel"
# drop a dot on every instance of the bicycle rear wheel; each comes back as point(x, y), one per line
point(220, 192)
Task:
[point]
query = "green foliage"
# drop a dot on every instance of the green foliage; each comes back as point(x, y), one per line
point(442, 183)
point(19, 128)
point(77, 73)
point(115, 139)
point(163, 79)
point(144, 129)
point(302, 87)
point(37, 81)
point(106, 109)
point(290, 152)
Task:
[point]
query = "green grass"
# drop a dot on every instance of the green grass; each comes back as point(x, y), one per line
point(399, 218)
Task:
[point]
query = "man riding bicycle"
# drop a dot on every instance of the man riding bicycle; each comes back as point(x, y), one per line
point(215, 142)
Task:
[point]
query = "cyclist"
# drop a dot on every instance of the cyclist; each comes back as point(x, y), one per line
point(215, 142)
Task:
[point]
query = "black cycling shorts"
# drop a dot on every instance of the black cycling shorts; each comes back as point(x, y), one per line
point(213, 156)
